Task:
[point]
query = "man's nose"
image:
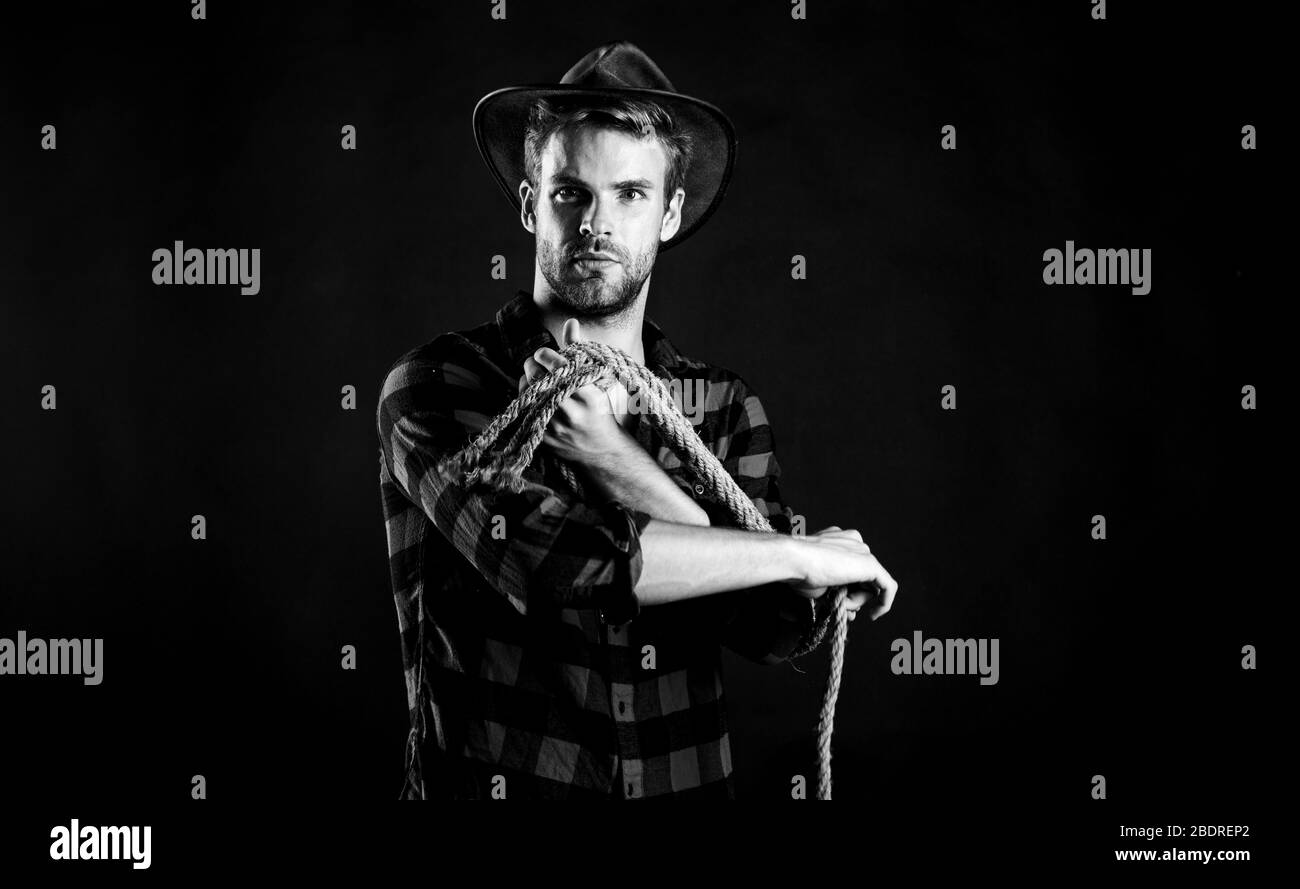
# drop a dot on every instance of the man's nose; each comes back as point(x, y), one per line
point(595, 219)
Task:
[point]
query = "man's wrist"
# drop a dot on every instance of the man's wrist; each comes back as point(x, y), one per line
point(794, 559)
point(607, 450)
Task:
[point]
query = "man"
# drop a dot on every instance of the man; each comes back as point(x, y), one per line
point(561, 643)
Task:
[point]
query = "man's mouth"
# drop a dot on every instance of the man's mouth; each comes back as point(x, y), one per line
point(594, 258)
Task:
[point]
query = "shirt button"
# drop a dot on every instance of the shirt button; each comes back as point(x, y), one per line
point(699, 489)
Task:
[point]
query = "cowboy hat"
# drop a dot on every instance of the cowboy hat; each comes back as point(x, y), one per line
point(615, 70)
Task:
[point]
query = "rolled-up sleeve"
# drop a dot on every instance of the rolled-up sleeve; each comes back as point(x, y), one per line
point(765, 623)
point(539, 548)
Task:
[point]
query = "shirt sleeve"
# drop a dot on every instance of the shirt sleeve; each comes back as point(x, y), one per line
point(539, 548)
point(763, 623)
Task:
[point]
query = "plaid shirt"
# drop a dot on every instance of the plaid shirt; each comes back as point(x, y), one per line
point(531, 670)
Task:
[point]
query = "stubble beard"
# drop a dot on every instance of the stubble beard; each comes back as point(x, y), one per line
point(585, 294)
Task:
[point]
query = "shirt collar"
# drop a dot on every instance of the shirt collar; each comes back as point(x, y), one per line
point(522, 333)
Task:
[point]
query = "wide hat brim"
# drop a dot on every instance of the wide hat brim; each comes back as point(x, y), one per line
point(501, 118)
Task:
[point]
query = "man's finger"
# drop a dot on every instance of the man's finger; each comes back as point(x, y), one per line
point(532, 370)
point(571, 332)
point(888, 590)
point(549, 358)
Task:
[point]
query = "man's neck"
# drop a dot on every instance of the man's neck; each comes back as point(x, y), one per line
point(619, 331)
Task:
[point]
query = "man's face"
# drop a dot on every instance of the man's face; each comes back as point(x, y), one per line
point(600, 192)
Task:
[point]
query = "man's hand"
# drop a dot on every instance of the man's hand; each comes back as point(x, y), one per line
point(833, 558)
point(586, 424)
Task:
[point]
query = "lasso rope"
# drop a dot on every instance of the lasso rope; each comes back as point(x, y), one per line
point(590, 362)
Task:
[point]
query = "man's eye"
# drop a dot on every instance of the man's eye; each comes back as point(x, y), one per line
point(560, 192)
point(635, 191)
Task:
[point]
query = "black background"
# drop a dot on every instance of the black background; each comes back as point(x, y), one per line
point(222, 657)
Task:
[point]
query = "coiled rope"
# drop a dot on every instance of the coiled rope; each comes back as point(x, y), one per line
point(591, 362)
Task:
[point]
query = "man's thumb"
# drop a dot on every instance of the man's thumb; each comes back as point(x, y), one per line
point(571, 332)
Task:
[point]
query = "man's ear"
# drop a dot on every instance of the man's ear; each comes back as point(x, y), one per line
point(672, 216)
point(527, 206)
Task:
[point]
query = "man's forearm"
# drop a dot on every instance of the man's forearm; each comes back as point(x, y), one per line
point(683, 555)
point(628, 474)
point(684, 561)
